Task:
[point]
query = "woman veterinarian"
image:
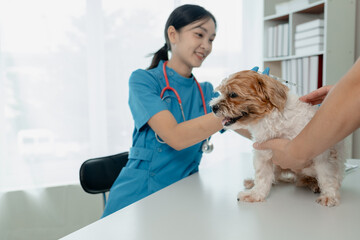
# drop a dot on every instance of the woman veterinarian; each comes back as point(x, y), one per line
point(173, 121)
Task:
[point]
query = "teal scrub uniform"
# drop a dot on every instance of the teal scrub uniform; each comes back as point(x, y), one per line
point(153, 165)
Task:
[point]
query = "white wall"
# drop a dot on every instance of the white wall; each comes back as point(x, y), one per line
point(47, 213)
point(252, 23)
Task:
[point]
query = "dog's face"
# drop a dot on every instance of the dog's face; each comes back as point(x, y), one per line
point(246, 97)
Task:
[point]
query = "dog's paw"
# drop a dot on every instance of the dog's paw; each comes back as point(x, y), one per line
point(249, 183)
point(328, 201)
point(250, 196)
point(309, 182)
point(315, 188)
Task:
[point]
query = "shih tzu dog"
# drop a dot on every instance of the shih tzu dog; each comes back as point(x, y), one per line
point(265, 107)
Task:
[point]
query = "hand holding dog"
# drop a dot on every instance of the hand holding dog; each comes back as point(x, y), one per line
point(317, 96)
point(326, 128)
point(281, 147)
point(282, 153)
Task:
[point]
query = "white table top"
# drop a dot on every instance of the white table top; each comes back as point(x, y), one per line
point(204, 206)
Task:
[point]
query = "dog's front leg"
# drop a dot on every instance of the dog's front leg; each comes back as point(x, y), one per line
point(264, 177)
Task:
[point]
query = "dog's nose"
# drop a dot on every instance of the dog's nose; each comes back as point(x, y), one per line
point(215, 108)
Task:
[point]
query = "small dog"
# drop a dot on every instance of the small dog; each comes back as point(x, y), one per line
point(266, 108)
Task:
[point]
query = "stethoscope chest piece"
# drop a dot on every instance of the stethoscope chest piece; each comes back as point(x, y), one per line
point(207, 146)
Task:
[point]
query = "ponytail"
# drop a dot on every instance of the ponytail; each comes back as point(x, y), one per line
point(162, 54)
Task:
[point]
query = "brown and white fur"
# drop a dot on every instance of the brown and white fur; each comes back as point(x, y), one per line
point(266, 108)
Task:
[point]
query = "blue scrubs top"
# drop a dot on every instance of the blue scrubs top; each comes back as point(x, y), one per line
point(153, 165)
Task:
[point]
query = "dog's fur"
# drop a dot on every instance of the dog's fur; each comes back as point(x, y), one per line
point(266, 108)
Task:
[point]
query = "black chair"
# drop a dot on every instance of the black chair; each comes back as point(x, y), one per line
point(97, 175)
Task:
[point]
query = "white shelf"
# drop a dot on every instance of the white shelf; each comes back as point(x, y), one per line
point(338, 53)
point(277, 17)
point(308, 8)
point(276, 59)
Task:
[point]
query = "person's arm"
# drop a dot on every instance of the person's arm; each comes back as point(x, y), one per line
point(337, 117)
point(185, 134)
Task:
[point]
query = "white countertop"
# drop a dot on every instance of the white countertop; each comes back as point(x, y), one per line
point(204, 206)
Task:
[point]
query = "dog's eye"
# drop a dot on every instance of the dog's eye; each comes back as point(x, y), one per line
point(233, 95)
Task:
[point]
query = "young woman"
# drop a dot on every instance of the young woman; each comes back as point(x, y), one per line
point(173, 121)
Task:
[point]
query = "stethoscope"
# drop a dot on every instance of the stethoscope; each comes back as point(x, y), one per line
point(207, 146)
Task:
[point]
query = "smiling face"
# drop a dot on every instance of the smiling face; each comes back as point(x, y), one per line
point(246, 97)
point(191, 44)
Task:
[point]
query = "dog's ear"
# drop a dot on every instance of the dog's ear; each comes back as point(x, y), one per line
point(273, 91)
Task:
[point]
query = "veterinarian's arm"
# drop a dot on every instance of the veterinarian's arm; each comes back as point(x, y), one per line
point(185, 134)
point(337, 117)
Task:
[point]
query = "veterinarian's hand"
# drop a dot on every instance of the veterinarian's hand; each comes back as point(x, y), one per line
point(317, 96)
point(283, 155)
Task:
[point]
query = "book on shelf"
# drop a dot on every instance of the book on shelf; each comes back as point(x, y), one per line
point(313, 73)
point(320, 72)
point(284, 70)
point(288, 66)
point(312, 49)
point(309, 33)
point(309, 25)
point(318, 40)
point(305, 72)
point(285, 49)
point(293, 74)
point(299, 76)
point(270, 41)
point(285, 7)
point(297, 4)
point(278, 40)
point(282, 8)
point(309, 37)
point(275, 41)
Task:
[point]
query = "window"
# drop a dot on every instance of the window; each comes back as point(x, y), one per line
point(64, 69)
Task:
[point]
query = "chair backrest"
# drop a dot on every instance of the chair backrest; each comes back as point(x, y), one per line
point(97, 175)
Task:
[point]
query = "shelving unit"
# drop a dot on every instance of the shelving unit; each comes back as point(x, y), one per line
point(337, 55)
point(338, 42)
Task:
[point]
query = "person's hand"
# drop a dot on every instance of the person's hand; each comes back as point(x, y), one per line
point(317, 96)
point(282, 154)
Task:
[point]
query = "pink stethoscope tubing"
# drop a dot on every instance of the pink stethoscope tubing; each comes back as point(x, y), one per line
point(176, 93)
point(207, 147)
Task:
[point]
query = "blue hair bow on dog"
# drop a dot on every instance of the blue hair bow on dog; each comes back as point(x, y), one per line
point(266, 71)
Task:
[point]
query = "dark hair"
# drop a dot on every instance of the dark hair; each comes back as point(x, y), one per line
point(180, 17)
